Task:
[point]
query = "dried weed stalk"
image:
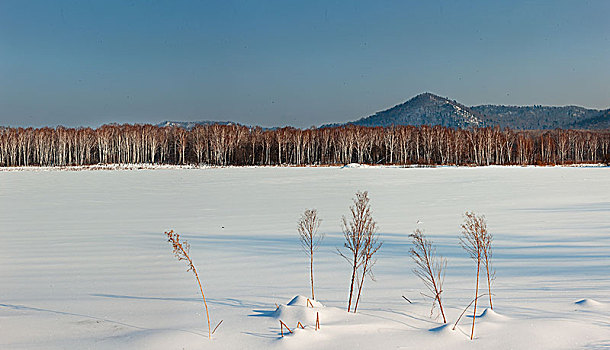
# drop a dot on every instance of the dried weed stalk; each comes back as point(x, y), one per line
point(181, 251)
point(282, 325)
point(430, 268)
point(310, 239)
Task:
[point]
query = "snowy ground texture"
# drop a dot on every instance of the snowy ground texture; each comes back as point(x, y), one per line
point(84, 262)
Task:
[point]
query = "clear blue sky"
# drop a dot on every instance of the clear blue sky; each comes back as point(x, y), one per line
point(300, 63)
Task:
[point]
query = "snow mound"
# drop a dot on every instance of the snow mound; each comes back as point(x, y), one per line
point(298, 310)
point(589, 303)
point(491, 315)
point(300, 300)
point(355, 165)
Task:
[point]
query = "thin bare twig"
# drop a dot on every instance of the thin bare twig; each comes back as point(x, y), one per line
point(218, 325)
point(282, 325)
point(466, 308)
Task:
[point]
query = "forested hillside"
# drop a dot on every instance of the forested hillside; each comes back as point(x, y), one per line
point(430, 109)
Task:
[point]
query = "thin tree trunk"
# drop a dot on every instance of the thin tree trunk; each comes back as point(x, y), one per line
point(351, 287)
point(360, 286)
point(489, 286)
point(438, 297)
point(438, 292)
point(311, 274)
point(474, 315)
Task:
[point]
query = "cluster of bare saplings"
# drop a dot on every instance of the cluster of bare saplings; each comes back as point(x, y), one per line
point(361, 244)
point(430, 267)
point(239, 145)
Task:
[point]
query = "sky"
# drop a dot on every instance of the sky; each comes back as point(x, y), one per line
point(298, 63)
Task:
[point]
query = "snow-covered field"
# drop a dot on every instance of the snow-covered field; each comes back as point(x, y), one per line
point(84, 262)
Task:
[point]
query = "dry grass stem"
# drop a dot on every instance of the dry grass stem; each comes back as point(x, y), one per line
point(466, 308)
point(218, 325)
point(181, 251)
point(282, 325)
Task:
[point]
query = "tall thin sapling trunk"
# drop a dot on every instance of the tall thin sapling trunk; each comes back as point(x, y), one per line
point(310, 239)
point(181, 251)
point(474, 230)
point(429, 268)
point(371, 246)
point(487, 261)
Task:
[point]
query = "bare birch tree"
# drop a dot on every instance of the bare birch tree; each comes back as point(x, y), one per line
point(310, 239)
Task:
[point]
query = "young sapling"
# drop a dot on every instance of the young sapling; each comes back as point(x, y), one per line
point(361, 241)
point(308, 226)
point(474, 231)
point(430, 268)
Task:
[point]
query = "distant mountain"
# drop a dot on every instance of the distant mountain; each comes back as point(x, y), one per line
point(425, 109)
point(599, 121)
point(190, 125)
point(430, 109)
point(542, 117)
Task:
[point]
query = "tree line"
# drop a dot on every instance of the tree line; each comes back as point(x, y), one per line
point(224, 145)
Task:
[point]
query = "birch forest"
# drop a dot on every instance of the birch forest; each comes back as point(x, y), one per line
point(224, 145)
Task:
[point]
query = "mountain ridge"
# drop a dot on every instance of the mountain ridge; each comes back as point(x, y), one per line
point(425, 109)
point(431, 109)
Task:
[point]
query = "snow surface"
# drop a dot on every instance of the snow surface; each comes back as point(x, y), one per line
point(84, 262)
